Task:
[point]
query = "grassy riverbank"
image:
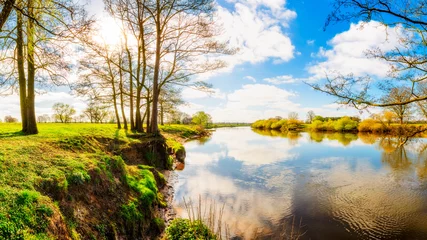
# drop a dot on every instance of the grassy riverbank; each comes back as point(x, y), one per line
point(84, 181)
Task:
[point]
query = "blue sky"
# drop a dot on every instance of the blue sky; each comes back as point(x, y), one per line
point(282, 44)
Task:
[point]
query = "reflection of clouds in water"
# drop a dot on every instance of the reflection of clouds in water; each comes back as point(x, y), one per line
point(200, 158)
point(254, 149)
point(245, 209)
point(339, 185)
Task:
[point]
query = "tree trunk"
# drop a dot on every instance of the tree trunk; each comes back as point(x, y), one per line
point(122, 104)
point(116, 110)
point(161, 114)
point(31, 113)
point(132, 120)
point(138, 120)
point(154, 127)
point(21, 72)
point(113, 86)
point(5, 12)
point(148, 112)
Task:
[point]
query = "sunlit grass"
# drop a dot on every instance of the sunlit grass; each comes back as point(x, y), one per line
point(59, 157)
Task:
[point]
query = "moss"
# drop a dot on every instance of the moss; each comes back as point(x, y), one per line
point(159, 224)
point(144, 184)
point(24, 215)
point(57, 163)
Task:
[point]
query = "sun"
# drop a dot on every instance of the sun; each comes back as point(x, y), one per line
point(110, 32)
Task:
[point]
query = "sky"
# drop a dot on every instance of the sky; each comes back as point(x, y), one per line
point(282, 46)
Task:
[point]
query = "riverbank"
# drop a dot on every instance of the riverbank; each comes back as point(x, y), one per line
point(85, 181)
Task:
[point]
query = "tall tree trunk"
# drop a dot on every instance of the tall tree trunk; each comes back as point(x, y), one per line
point(148, 112)
point(21, 71)
point(113, 86)
point(154, 115)
point(122, 103)
point(141, 78)
point(116, 110)
point(145, 115)
point(161, 114)
point(31, 112)
point(131, 105)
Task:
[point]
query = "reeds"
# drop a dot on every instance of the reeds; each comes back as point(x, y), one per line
point(209, 214)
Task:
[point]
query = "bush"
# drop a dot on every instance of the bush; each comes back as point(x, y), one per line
point(373, 126)
point(186, 229)
point(279, 124)
point(344, 124)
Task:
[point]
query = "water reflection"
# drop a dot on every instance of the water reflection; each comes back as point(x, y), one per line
point(340, 186)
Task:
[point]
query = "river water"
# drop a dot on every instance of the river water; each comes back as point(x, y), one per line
point(272, 185)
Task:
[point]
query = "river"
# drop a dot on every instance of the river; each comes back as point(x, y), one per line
point(310, 185)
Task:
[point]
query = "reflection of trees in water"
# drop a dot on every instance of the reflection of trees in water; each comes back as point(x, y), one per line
point(368, 138)
point(344, 138)
point(422, 165)
point(401, 153)
point(203, 140)
point(292, 136)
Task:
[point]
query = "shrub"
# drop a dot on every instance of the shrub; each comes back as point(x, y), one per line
point(371, 125)
point(345, 124)
point(279, 124)
point(317, 125)
point(186, 229)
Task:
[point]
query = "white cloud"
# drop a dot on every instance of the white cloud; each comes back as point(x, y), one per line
point(250, 78)
point(256, 29)
point(281, 79)
point(255, 101)
point(190, 93)
point(311, 42)
point(348, 52)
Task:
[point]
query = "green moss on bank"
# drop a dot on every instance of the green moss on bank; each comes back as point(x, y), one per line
point(71, 180)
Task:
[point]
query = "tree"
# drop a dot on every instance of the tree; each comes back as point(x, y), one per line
point(170, 98)
point(407, 59)
point(389, 116)
point(63, 112)
point(202, 118)
point(310, 116)
point(43, 118)
point(97, 113)
point(403, 111)
point(292, 116)
point(10, 119)
point(184, 33)
point(38, 31)
point(186, 119)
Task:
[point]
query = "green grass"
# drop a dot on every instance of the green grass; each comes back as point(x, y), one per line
point(184, 131)
point(62, 156)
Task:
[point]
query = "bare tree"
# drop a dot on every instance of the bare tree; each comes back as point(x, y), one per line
point(10, 119)
point(402, 112)
point(293, 116)
point(97, 113)
point(169, 100)
point(408, 61)
point(310, 116)
point(38, 31)
point(63, 112)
